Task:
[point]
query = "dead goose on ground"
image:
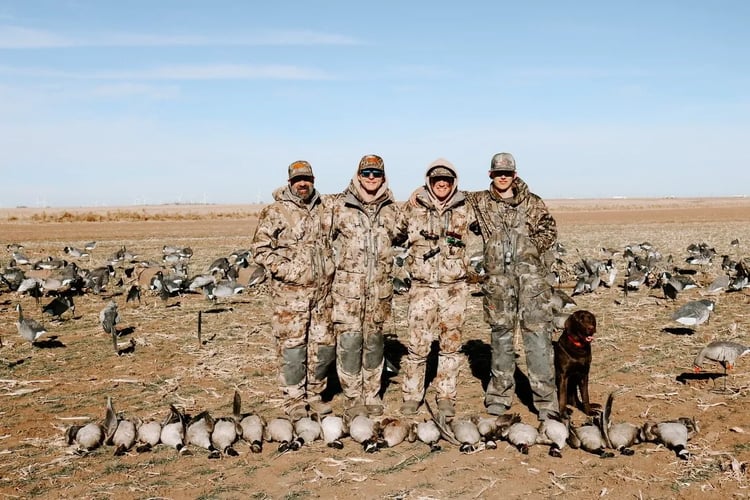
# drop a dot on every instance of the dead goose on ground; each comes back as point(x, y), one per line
point(251, 426)
point(521, 435)
point(307, 430)
point(121, 432)
point(281, 430)
point(487, 427)
point(333, 429)
point(362, 429)
point(674, 434)
point(28, 328)
point(198, 433)
point(589, 437)
point(554, 433)
point(227, 430)
point(466, 433)
point(622, 435)
point(148, 434)
point(86, 437)
point(173, 431)
point(394, 431)
point(429, 433)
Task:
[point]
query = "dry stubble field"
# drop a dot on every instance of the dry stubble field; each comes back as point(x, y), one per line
point(69, 376)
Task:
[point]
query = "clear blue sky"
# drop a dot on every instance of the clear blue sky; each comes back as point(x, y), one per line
point(158, 101)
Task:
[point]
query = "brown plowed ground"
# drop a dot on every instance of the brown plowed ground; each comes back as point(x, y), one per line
point(639, 350)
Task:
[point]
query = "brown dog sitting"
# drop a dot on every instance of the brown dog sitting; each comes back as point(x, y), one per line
point(573, 361)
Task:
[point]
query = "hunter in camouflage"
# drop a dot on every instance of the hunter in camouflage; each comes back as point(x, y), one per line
point(517, 230)
point(438, 232)
point(291, 243)
point(366, 222)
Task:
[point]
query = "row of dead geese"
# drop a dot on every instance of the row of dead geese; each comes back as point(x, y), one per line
point(218, 436)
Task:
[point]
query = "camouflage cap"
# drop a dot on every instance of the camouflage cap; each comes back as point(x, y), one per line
point(300, 168)
point(371, 161)
point(440, 172)
point(503, 162)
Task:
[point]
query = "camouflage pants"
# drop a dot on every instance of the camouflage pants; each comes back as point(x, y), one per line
point(358, 326)
point(521, 297)
point(305, 344)
point(434, 313)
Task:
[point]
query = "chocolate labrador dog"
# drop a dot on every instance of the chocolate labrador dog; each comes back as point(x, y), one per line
point(573, 361)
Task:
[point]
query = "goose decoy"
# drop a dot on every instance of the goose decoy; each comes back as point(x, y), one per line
point(554, 433)
point(89, 245)
point(134, 293)
point(108, 318)
point(333, 429)
point(222, 289)
point(280, 430)
point(429, 433)
point(694, 313)
point(31, 286)
point(394, 431)
point(622, 435)
point(120, 432)
point(28, 328)
point(59, 305)
point(86, 437)
point(198, 433)
point(674, 434)
point(362, 429)
point(148, 435)
point(724, 352)
point(173, 431)
point(75, 252)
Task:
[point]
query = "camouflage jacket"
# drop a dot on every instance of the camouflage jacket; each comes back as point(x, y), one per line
point(291, 240)
point(438, 234)
point(362, 236)
point(517, 230)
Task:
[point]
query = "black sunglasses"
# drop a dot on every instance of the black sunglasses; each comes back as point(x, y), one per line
point(503, 173)
point(375, 172)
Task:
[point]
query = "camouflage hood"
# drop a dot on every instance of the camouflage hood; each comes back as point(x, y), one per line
point(427, 198)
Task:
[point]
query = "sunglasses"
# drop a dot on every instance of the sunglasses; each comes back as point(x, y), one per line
point(375, 172)
point(503, 173)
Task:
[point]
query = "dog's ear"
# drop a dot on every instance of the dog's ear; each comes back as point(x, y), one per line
point(571, 323)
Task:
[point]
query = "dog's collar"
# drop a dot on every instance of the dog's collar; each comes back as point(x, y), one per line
point(573, 341)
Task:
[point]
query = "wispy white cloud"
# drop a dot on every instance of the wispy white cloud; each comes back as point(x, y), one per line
point(182, 72)
point(19, 37)
point(129, 89)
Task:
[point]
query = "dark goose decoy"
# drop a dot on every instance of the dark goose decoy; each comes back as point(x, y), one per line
point(59, 305)
point(108, 318)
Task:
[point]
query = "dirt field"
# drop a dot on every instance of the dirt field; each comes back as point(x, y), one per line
point(639, 349)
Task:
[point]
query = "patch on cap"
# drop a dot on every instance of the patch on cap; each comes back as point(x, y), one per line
point(440, 172)
point(300, 168)
point(503, 161)
point(371, 161)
